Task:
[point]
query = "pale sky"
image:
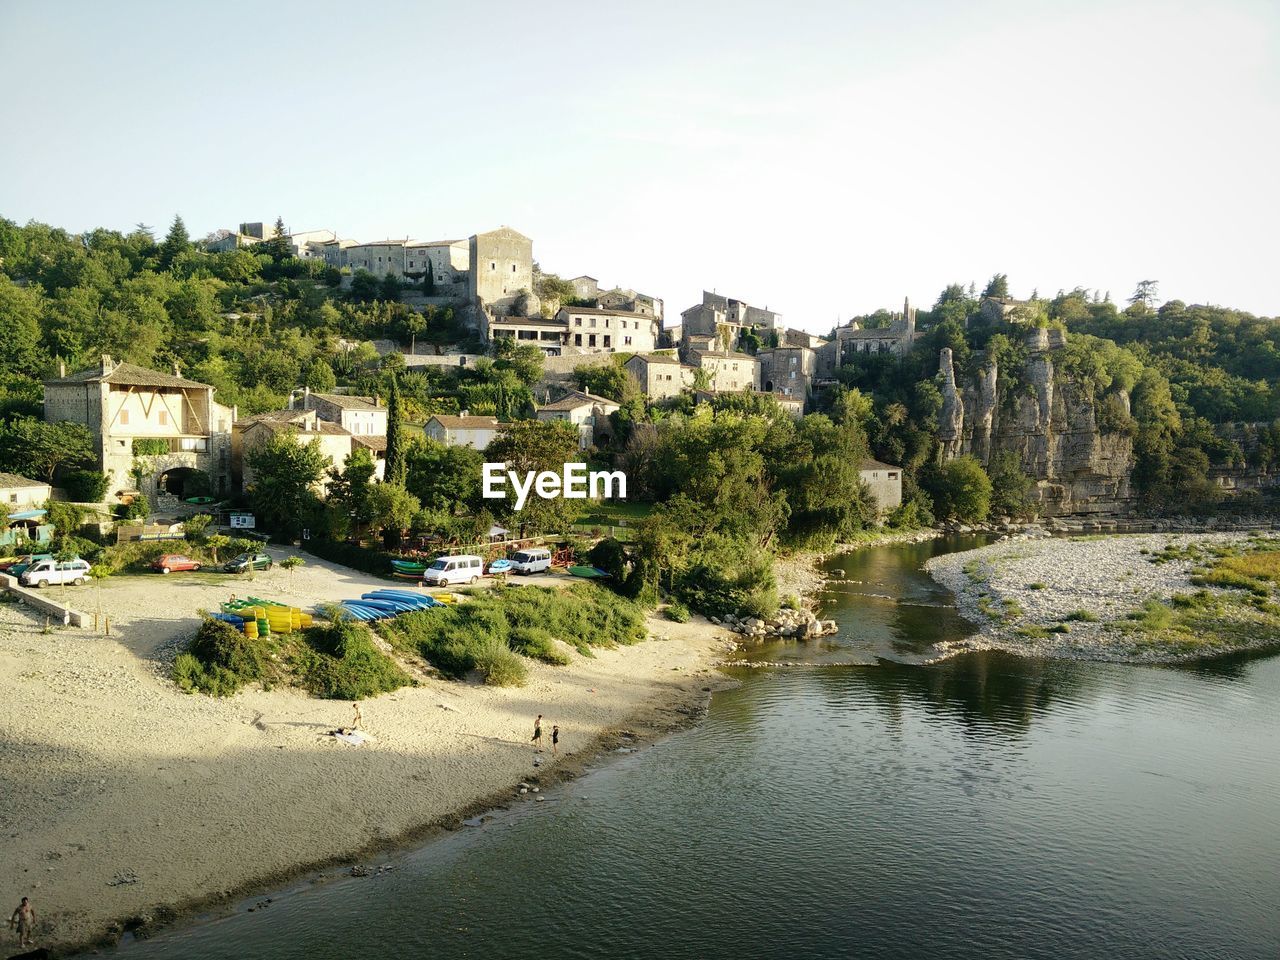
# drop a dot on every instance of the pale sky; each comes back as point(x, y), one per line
point(823, 159)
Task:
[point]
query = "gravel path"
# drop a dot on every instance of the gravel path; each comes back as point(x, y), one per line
point(1028, 582)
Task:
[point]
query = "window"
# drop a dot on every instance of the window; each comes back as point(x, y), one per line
point(513, 268)
point(893, 475)
point(13, 498)
point(577, 339)
point(492, 265)
point(593, 321)
point(591, 340)
point(164, 418)
point(626, 341)
point(124, 417)
point(607, 340)
point(577, 322)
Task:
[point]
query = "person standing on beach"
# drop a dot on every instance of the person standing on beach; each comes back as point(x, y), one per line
point(24, 918)
point(356, 720)
point(536, 739)
point(555, 741)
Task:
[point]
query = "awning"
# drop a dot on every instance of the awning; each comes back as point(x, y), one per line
point(497, 531)
point(28, 515)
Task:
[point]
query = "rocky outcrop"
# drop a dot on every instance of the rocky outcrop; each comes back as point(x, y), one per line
point(1049, 422)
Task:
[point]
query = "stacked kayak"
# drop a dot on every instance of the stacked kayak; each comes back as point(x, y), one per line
point(409, 569)
point(266, 616)
point(384, 604)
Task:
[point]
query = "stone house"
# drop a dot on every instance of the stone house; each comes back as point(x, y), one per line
point(716, 311)
point(585, 288)
point(335, 442)
point(600, 330)
point(730, 372)
point(588, 412)
point(788, 371)
point(462, 431)
point(501, 267)
point(660, 375)
point(449, 262)
point(382, 258)
point(884, 481)
point(121, 402)
point(19, 493)
point(360, 416)
point(898, 339)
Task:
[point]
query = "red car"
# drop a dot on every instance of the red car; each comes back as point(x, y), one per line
point(174, 561)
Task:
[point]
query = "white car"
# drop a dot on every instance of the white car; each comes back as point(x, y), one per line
point(54, 571)
point(460, 569)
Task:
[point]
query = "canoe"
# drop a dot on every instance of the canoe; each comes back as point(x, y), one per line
point(500, 566)
point(410, 600)
point(590, 573)
point(410, 566)
point(199, 501)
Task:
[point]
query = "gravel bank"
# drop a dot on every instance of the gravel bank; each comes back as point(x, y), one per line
point(1026, 582)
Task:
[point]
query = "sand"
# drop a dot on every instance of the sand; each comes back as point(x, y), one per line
point(123, 798)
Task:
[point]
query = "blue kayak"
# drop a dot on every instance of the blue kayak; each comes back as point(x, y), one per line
point(500, 566)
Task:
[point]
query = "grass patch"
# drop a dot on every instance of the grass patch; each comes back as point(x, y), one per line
point(1081, 616)
point(341, 662)
point(678, 612)
point(1032, 632)
point(520, 620)
point(1036, 586)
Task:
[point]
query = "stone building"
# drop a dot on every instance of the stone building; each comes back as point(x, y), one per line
point(19, 493)
point(718, 316)
point(588, 412)
point(449, 262)
point(898, 338)
point(121, 403)
point(550, 336)
point(788, 370)
point(306, 425)
point(501, 266)
point(660, 375)
point(884, 481)
point(730, 372)
point(381, 258)
point(585, 288)
point(599, 330)
point(359, 416)
point(462, 431)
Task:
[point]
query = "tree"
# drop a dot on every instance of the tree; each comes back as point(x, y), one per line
point(393, 509)
point(414, 324)
point(176, 242)
point(364, 287)
point(1010, 484)
point(1144, 295)
point(194, 527)
point(215, 542)
point(395, 468)
point(428, 281)
point(280, 230)
point(389, 288)
point(348, 500)
point(538, 445)
point(291, 564)
point(611, 380)
point(997, 286)
point(961, 490)
point(320, 377)
point(40, 448)
point(285, 472)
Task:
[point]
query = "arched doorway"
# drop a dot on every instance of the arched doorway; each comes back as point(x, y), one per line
point(183, 482)
point(768, 386)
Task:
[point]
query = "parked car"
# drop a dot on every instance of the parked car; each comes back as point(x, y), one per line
point(463, 568)
point(533, 560)
point(18, 565)
point(174, 561)
point(44, 572)
point(248, 561)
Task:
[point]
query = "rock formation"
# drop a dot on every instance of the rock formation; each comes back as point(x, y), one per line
point(1050, 423)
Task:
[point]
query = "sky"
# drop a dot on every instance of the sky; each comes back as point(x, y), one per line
point(823, 159)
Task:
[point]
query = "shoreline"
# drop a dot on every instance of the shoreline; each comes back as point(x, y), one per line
point(129, 806)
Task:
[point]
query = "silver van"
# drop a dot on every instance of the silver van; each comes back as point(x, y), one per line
point(54, 571)
point(533, 560)
point(463, 568)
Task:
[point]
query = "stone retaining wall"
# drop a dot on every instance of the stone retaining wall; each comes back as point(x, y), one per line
point(65, 615)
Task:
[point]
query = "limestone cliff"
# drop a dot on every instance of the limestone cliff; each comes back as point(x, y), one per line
point(1048, 421)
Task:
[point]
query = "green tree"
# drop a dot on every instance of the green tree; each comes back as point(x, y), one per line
point(393, 509)
point(429, 281)
point(414, 324)
point(291, 564)
point(320, 377)
point(176, 242)
point(35, 447)
point(389, 288)
point(537, 445)
point(348, 499)
point(997, 286)
point(395, 466)
point(194, 526)
point(285, 474)
point(1010, 484)
point(611, 380)
point(961, 490)
point(215, 542)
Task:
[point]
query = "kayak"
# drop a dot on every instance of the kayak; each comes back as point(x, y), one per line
point(199, 501)
point(500, 566)
point(589, 572)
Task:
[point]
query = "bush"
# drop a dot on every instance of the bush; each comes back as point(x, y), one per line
point(368, 559)
point(1083, 616)
point(678, 612)
point(499, 664)
point(341, 662)
point(539, 644)
point(221, 660)
point(85, 486)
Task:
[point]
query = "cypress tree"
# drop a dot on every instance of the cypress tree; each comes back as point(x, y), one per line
point(396, 467)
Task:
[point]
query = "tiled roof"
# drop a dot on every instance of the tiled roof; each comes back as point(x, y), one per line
point(727, 355)
point(587, 311)
point(578, 398)
point(656, 358)
point(375, 443)
point(869, 464)
point(349, 401)
point(130, 375)
point(9, 481)
point(876, 333)
point(450, 422)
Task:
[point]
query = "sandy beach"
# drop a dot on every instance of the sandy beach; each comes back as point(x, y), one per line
point(123, 800)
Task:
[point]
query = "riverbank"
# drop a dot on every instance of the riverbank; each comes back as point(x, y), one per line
point(126, 804)
point(1118, 598)
point(800, 577)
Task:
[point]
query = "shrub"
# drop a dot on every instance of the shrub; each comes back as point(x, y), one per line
point(85, 486)
point(678, 612)
point(220, 660)
point(539, 644)
point(341, 662)
point(1083, 616)
point(368, 559)
point(499, 664)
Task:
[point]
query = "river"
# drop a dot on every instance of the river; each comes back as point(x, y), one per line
point(858, 805)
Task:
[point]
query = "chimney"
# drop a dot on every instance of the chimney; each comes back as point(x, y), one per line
point(377, 401)
point(107, 363)
point(177, 371)
point(62, 367)
point(464, 413)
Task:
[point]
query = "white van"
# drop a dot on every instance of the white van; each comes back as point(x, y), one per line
point(533, 560)
point(52, 571)
point(460, 569)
